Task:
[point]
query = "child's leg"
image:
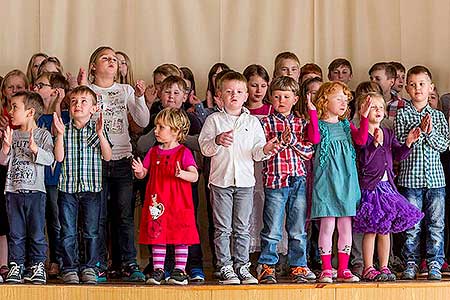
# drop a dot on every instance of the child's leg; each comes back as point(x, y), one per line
point(90, 208)
point(383, 249)
point(68, 215)
point(344, 226)
point(181, 256)
point(434, 208)
point(159, 256)
point(368, 249)
point(325, 241)
point(53, 225)
point(17, 224)
point(36, 227)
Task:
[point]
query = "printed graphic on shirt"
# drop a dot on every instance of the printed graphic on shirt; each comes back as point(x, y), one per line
point(22, 171)
point(113, 112)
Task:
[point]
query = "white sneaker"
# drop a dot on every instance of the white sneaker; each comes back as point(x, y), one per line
point(227, 276)
point(245, 276)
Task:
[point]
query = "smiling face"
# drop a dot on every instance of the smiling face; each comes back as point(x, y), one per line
point(82, 106)
point(233, 95)
point(13, 85)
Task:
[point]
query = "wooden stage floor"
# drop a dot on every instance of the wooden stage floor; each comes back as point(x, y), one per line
point(399, 290)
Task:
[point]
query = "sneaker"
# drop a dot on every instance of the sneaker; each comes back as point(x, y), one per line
point(15, 274)
point(53, 270)
point(227, 276)
point(347, 276)
point(310, 276)
point(266, 274)
point(132, 273)
point(445, 269)
point(178, 277)
point(298, 275)
point(100, 273)
point(71, 278)
point(326, 276)
point(4, 270)
point(389, 275)
point(245, 276)
point(89, 276)
point(371, 274)
point(434, 271)
point(156, 277)
point(196, 275)
point(410, 272)
point(36, 274)
point(423, 268)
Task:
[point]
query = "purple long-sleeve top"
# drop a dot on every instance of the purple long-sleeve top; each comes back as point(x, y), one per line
point(373, 160)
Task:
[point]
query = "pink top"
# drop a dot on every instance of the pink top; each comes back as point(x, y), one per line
point(264, 110)
point(188, 158)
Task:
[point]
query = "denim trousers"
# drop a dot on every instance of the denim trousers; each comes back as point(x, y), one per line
point(289, 202)
point(232, 207)
point(69, 205)
point(53, 225)
point(117, 207)
point(432, 202)
point(26, 215)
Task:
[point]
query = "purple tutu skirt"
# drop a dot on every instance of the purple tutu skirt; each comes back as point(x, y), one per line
point(384, 210)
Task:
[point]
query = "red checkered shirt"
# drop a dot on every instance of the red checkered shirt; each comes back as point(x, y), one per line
point(394, 105)
point(289, 161)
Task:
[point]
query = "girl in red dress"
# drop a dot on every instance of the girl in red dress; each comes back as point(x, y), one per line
point(168, 211)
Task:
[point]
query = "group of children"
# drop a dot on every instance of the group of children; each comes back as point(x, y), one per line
point(283, 159)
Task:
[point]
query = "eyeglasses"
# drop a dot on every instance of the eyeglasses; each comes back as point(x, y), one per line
point(40, 85)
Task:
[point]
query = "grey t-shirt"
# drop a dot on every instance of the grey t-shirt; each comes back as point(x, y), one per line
point(26, 170)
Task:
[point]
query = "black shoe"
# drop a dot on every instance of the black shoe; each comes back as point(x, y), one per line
point(15, 274)
point(36, 274)
point(132, 273)
point(178, 277)
point(157, 277)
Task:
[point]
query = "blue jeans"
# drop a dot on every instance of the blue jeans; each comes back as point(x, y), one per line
point(118, 207)
point(53, 226)
point(26, 215)
point(89, 204)
point(292, 200)
point(432, 203)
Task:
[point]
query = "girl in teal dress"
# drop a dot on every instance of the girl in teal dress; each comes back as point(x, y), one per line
point(336, 190)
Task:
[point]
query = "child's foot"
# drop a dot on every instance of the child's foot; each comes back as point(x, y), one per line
point(53, 270)
point(301, 275)
point(156, 277)
point(326, 276)
point(15, 274)
point(71, 278)
point(37, 274)
point(178, 277)
point(228, 276)
point(389, 275)
point(434, 271)
point(410, 272)
point(196, 275)
point(4, 270)
point(346, 276)
point(266, 274)
point(245, 276)
point(132, 273)
point(89, 276)
point(371, 274)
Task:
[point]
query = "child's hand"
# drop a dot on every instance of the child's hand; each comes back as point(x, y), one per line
point(99, 125)
point(178, 170)
point(225, 138)
point(365, 107)
point(4, 122)
point(309, 103)
point(139, 89)
point(271, 147)
point(7, 137)
point(60, 95)
point(82, 77)
point(32, 144)
point(193, 100)
point(58, 124)
point(137, 166)
point(150, 94)
point(73, 82)
point(413, 136)
point(377, 137)
point(286, 136)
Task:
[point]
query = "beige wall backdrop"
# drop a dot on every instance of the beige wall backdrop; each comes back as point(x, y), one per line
point(198, 33)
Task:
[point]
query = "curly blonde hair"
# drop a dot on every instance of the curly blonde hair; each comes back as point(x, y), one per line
point(176, 119)
point(321, 98)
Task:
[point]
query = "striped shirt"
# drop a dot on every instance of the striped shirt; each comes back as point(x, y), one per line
point(423, 168)
point(289, 161)
point(81, 169)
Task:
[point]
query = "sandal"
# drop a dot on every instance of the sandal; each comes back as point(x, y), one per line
point(326, 276)
point(346, 276)
point(389, 275)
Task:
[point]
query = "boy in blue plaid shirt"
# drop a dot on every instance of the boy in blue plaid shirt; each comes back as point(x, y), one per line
point(421, 179)
point(80, 146)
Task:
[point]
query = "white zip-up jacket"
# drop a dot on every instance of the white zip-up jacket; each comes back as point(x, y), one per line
point(233, 165)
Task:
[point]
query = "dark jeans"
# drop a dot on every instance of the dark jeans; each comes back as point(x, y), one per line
point(26, 212)
point(53, 226)
point(69, 206)
point(117, 206)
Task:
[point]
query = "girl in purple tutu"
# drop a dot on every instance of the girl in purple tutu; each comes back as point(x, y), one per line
point(382, 209)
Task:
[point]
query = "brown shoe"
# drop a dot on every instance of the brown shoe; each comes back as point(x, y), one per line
point(53, 270)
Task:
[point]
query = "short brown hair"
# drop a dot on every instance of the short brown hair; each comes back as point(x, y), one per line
point(284, 83)
point(231, 76)
point(419, 70)
point(56, 80)
point(84, 90)
point(167, 70)
point(168, 82)
point(310, 68)
point(31, 100)
point(389, 69)
point(176, 119)
point(337, 62)
point(398, 66)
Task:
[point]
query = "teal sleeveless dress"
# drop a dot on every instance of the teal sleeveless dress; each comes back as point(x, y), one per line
point(336, 190)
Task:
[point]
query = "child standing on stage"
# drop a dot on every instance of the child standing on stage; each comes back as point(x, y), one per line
point(382, 209)
point(285, 183)
point(336, 190)
point(168, 212)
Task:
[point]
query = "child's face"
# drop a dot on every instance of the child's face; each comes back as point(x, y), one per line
point(43, 87)
point(233, 95)
point(123, 67)
point(337, 103)
point(257, 88)
point(13, 85)
point(106, 63)
point(289, 67)
point(165, 134)
point(158, 78)
point(419, 87)
point(18, 114)
point(283, 101)
point(312, 89)
point(376, 112)
point(380, 77)
point(399, 81)
point(433, 100)
point(82, 106)
point(173, 97)
point(36, 63)
point(341, 73)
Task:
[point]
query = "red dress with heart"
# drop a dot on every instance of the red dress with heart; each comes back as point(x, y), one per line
point(176, 225)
